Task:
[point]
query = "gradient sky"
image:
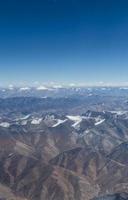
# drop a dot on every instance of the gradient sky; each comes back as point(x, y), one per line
point(80, 41)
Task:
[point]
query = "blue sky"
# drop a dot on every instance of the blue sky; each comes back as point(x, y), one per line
point(63, 41)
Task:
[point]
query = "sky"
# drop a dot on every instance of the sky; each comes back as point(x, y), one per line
point(63, 41)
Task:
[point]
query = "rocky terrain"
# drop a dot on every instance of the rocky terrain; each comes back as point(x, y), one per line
point(72, 147)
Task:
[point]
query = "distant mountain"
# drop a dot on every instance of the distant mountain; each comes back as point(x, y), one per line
point(61, 91)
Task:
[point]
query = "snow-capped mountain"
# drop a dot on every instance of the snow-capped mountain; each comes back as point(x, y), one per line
point(55, 143)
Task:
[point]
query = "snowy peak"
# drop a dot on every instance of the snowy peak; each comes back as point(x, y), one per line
point(24, 88)
point(41, 88)
point(36, 121)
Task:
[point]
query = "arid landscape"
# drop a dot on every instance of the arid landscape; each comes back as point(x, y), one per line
point(63, 146)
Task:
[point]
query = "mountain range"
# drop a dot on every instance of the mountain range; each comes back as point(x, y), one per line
point(63, 145)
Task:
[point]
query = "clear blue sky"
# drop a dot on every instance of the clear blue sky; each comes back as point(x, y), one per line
point(63, 41)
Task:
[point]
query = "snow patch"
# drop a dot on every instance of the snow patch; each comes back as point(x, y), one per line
point(77, 119)
point(23, 118)
point(87, 131)
point(99, 122)
point(59, 122)
point(121, 112)
point(74, 118)
point(36, 121)
point(11, 154)
point(24, 122)
point(5, 124)
point(41, 88)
